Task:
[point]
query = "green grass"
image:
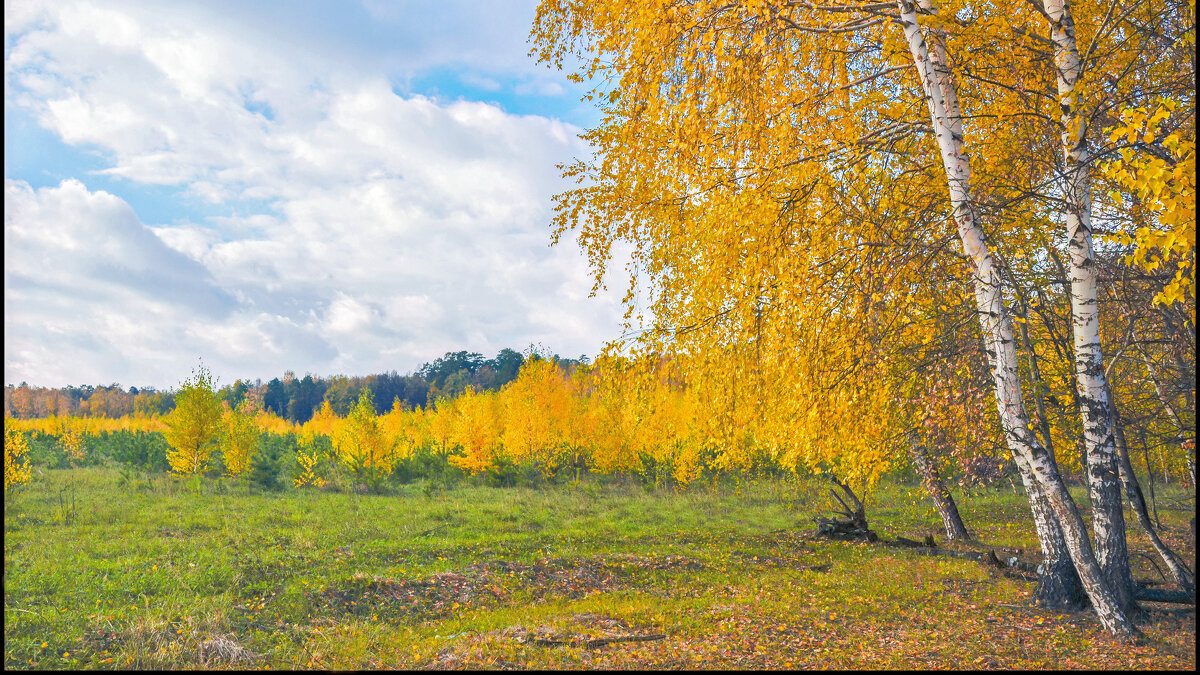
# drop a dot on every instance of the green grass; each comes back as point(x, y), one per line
point(162, 573)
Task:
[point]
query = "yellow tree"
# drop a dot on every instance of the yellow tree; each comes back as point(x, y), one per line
point(414, 430)
point(737, 146)
point(322, 422)
point(309, 458)
point(16, 465)
point(665, 429)
point(402, 426)
point(360, 442)
point(611, 417)
point(72, 444)
point(239, 438)
point(438, 427)
point(534, 407)
point(195, 424)
point(475, 430)
point(578, 423)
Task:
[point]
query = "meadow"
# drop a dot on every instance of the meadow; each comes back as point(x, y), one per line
point(105, 569)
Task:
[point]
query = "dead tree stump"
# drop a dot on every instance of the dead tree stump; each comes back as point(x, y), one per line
point(852, 525)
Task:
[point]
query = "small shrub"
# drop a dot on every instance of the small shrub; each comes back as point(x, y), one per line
point(266, 467)
point(505, 473)
point(44, 451)
point(142, 450)
point(424, 463)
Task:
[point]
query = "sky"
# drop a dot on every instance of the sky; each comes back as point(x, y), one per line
point(323, 187)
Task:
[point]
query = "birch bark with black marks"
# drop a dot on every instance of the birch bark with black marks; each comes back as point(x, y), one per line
point(996, 327)
point(1059, 586)
point(1104, 488)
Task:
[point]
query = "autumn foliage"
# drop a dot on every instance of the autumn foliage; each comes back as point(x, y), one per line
point(195, 425)
point(16, 465)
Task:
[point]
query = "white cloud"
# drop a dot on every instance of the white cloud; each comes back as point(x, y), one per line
point(398, 227)
point(540, 88)
point(80, 243)
point(491, 35)
point(479, 81)
point(347, 315)
point(90, 293)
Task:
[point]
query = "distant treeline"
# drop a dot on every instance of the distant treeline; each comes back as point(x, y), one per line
point(290, 397)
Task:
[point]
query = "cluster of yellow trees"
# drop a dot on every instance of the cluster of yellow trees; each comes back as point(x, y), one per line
point(617, 415)
point(57, 425)
point(614, 416)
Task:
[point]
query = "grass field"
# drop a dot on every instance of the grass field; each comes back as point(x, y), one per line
point(102, 571)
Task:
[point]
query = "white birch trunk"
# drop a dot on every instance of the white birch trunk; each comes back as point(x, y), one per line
point(997, 330)
point(1059, 587)
point(1104, 487)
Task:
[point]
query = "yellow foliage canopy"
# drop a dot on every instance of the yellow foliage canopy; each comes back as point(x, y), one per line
point(16, 467)
point(239, 439)
point(360, 442)
point(195, 424)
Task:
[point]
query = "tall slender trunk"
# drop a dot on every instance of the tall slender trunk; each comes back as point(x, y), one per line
point(1170, 410)
point(997, 328)
point(1059, 586)
point(1039, 394)
point(942, 499)
point(1108, 519)
point(1149, 475)
point(1137, 501)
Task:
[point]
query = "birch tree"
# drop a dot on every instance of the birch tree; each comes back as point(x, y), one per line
point(734, 138)
point(195, 425)
point(362, 445)
point(238, 438)
point(1035, 464)
point(1090, 380)
point(17, 470)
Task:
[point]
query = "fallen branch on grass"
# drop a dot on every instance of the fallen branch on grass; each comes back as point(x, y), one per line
point(1163, 595)
point(600, 642)
point(990, 558)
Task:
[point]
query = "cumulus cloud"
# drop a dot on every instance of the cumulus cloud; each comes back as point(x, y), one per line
point(70, 242)
point(91, 293)
point(381, 231)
